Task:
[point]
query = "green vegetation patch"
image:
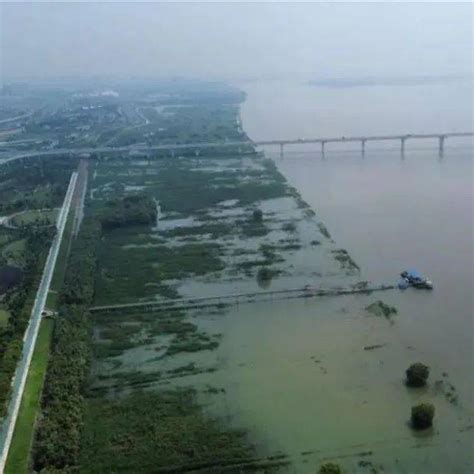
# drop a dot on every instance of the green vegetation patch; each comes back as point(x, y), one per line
point(132, 210)
point(14, 253)
point(18, 301)
point(117, 332)
point(324, 231)
point(345, 260)
point(18, 457)
point(35, 217)
point(4, 316)
point(254, 229)
point(4, 238)
point(215, 230)
point(34, 183)
point(126, 274)
point(380, 309)
point(147, 431)
point(184, 190)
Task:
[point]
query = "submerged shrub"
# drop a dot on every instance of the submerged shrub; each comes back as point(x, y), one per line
point(264, 274)
point(422, 416)
point(257, 215)
point(417, 374)
point(379, 308)
point(289, 227)
point(330, 468)
point(264, 277)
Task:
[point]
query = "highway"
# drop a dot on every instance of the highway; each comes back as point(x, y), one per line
point(15, 119)
point(79, 196)
point(31, 333)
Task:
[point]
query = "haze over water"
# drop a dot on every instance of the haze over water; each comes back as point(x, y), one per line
point(388, 211)
point(282, 109)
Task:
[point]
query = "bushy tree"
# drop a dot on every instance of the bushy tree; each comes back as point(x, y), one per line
point(330, 468)
point(417, 374)
point(264, 274)
point(257, 215)
point(422, 416)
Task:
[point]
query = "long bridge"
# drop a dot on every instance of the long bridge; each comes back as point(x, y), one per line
point(441, 137)
point(197, 147)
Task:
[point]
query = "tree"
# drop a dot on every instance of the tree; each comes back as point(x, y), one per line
point(264, 274)
point(257, 215)
point(330, 468)
point(422, 416)
point(417, 374)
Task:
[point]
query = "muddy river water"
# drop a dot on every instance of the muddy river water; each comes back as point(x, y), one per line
point(305, 376)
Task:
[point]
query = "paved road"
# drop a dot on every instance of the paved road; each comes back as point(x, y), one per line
point(125, 149)
point(14, 119)
point(31, 333)
point(79, 195)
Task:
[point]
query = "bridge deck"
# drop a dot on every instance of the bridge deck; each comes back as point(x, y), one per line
point(363, 138)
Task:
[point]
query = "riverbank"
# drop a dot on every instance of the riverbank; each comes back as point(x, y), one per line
point(277, 386)
point(392, 214)
point(227, 223)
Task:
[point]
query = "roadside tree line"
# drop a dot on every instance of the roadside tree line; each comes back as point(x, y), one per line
point(19, 303)
point(57, 441)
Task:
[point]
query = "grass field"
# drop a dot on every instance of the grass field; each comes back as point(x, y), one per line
point(37, 217)
point(18, 458)
point(4, 315)
point(4, 239)
point(148, 431)
point(14, 252)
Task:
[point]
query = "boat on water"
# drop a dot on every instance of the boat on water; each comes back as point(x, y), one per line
point(414, 279)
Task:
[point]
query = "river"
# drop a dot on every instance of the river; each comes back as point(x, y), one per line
point(302, 381)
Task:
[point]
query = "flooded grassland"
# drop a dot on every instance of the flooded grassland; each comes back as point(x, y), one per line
point(224, 225)
point(271, 386)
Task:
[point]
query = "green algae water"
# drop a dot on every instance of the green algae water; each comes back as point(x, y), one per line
point(323, 379)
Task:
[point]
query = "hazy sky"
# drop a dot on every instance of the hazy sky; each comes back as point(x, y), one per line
point(236, 40)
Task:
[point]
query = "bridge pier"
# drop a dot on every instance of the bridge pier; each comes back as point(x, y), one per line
point(281, 150)
point(362, 143)
point(402, 146)
point(441, 145)
point(323, 144)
